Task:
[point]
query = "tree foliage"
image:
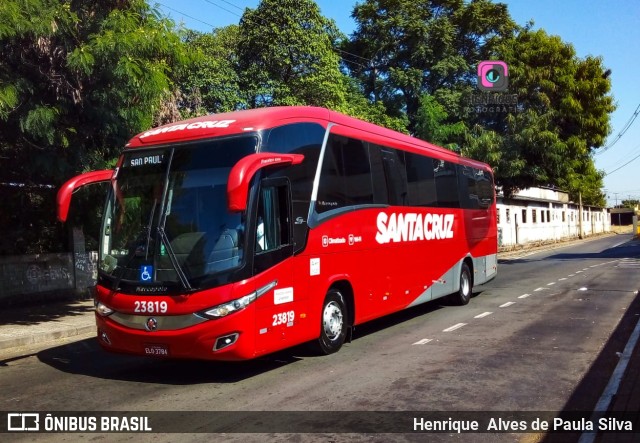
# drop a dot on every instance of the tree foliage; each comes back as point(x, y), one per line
point(77, 79)
point(563, 107)
point(211, 83)
point(419, 47)
point(432, 123)
point(85, 76)
point(286, 55)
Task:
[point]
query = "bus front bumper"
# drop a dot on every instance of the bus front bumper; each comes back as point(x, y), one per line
point(220, 339)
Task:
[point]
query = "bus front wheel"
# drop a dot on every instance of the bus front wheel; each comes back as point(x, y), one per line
point(333, 322)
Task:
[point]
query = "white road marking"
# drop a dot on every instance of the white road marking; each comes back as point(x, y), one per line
point(539, 289)
point(509, 303)
point(551, 284)
point(424, 341)
point(629, 263)
point(484, 314)
point(562, 279)
point(572, 275)
point(579, 272)
point(454, 327)
point(524, 295)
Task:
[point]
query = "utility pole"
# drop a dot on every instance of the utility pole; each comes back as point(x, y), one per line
point(580, 216)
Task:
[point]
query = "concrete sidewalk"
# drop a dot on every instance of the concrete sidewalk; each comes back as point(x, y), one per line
point(35, 324)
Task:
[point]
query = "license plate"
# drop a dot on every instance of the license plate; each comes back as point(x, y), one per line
point(156, 350)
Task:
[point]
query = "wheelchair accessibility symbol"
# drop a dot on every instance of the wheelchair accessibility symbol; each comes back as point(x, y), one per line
point(146, 273)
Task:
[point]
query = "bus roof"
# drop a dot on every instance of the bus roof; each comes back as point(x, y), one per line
point(238, 122)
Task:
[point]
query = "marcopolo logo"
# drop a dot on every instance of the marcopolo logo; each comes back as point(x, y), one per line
point(493, 75)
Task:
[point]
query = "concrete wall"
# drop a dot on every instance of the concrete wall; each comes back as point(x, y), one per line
point(523, 221)
point(46, 275)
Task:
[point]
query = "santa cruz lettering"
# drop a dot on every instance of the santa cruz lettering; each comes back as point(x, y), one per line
point(187, 126)
point(413, 227)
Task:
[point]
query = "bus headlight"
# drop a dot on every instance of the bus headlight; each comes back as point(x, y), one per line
point(227, 308)
point(103, 309)
point(238, 304)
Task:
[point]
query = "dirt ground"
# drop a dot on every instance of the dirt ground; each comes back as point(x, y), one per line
point(622, 229)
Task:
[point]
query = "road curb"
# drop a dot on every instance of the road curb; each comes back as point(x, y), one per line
point(42, 337)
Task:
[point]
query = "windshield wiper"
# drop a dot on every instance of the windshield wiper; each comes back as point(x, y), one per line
point(147, 229)
point(162, 223)
point(174, 260)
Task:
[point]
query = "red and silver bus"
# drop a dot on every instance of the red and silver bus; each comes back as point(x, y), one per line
point(231, 236)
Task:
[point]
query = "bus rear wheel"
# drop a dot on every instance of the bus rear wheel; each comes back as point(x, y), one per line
point(463, 295)
point(333, 323)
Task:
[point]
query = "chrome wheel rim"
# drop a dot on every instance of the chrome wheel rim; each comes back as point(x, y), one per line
point(332, 320)
point(465, 284)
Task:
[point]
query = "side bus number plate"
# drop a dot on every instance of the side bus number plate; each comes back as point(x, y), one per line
point(156, 350)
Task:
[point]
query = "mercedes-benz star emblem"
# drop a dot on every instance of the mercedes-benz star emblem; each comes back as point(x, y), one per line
point(151, 324)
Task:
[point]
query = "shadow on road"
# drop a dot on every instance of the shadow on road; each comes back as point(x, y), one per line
point(44, 312)
point(590, 388)
point(85, 357)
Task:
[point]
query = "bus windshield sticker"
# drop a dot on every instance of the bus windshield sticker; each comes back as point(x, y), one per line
point(146, 272)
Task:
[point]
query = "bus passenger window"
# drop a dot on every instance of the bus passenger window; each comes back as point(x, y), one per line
point(346, 175)
point(446, 178)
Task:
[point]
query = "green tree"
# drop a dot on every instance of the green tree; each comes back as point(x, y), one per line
point(286, 55)
point(211, 84)
point(563, 107)
point(77, 79)
point(419, 47)
point(432, 124)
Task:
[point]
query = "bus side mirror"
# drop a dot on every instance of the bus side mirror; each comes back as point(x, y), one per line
point(64, 193)
point(243, 171)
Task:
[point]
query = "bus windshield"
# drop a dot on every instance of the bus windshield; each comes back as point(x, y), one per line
point(167, 214)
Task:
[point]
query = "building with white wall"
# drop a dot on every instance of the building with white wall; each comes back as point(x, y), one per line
point(538, 215)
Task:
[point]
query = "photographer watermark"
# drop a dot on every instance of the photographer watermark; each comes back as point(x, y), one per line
point(493, 75)
point(493, 82)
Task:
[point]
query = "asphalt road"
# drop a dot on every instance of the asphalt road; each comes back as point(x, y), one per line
point(542, 336)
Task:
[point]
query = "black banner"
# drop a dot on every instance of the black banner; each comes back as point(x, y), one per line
point(365, 422)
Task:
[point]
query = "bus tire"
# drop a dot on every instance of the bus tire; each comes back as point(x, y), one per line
point(463, 295)
point(333, 323)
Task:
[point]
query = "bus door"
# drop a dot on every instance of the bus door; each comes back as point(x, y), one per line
point(273, 265)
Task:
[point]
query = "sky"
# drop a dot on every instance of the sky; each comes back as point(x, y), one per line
point(609, 29)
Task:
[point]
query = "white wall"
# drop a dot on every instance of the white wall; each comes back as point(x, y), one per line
point(523, 221)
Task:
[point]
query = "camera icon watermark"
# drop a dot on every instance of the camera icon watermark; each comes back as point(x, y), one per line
point(23, 421)
point(493, 75)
